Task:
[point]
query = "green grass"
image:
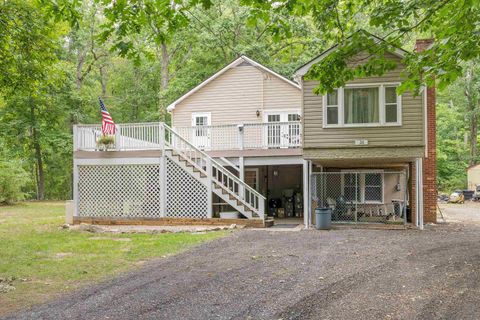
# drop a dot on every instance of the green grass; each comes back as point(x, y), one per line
point(45, 260)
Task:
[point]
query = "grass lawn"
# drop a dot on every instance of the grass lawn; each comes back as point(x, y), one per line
point(40, 259)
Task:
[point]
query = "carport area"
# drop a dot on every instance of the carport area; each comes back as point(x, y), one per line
point(338, 274)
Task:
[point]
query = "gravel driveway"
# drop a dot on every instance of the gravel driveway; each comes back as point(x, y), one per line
point(339, 274)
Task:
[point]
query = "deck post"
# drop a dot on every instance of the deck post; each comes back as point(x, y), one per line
point(209, 189)
point(75, 137)
point(163, 171)
point(306, 194)
point(241, 174)
point(241, 136)
point(117, 137)
point(75, 188)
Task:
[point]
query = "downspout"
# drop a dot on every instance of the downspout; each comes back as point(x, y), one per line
point(425, 122)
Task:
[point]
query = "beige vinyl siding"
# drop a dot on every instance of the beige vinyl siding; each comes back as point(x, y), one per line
point(280, 95)
point(235, 96)
point(409, 134)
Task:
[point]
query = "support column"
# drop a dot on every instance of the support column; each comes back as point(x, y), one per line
point(419, 193)
point(163, 172)
point(241, 174)
point(75, 188)
point(306, 193)
point(209, 189)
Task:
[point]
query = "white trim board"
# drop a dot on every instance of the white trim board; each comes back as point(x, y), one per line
point(268, 161)
point(116, 161)
point(382, 107)
point(235, 63)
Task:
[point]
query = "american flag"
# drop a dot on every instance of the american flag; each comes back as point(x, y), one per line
point(108, 126)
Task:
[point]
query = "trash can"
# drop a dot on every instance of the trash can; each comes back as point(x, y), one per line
point(323, 218)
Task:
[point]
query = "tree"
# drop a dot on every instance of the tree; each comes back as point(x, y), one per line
point(453, 24)
point(471, 82)
point(27, 69)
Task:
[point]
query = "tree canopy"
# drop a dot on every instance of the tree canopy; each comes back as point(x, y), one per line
point(58, 56)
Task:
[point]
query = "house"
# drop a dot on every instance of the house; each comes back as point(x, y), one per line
point(473, 177)
point(249, 144)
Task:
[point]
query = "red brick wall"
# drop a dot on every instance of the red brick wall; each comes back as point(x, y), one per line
point(429, 162)
point(412, 192)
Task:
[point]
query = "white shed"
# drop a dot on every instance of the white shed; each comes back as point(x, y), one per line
point(473, 176)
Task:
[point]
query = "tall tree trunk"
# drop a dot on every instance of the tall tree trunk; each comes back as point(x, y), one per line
point(79, 76)
point(103, 80)
point(473, 105)
point(473, 139)
point(37, 154)
point(164, 80)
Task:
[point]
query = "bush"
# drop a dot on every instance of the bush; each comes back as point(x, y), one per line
point(12, 181)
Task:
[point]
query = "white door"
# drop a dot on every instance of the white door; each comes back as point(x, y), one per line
point(273, 134)
point(201, 130)
point(281, 130)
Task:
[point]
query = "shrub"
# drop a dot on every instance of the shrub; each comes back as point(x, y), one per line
point(13, 178)
point(106, 142)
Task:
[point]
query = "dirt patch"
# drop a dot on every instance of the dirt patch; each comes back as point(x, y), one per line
point(466, 213)
point(111, 239)
point(199, 229)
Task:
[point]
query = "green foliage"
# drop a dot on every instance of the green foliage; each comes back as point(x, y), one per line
point(13, 180)
point(452, 151)
point(452, 23)
point(57, 57)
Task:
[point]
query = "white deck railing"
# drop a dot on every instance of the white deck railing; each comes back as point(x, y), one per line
point(141, 136)
point(131, 136)
point(244, 136)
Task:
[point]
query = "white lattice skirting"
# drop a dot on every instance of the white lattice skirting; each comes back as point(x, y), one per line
point(134, 191)
point(186, 197)
point(119, 191)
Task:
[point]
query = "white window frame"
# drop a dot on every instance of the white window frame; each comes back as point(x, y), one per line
point(361, 174)
point(381, 97)
point(283, 129)
point(283, 114)
point(195, 115)
point(199, 141)
point(257, 176)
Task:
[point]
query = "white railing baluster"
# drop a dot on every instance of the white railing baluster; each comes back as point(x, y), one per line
point(218, 173)
point(137, 136)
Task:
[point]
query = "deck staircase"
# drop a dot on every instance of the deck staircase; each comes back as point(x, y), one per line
point(211, 173)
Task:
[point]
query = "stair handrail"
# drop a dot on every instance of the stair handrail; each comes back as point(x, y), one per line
point(260, 211)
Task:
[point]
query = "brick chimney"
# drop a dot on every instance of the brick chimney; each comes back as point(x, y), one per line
point(429, 161)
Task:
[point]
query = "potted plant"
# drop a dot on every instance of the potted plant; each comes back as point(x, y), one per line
point(105, 142)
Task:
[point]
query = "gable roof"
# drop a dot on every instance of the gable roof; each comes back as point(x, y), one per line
point(473, 166)
point(301, 71)
point(236, 62)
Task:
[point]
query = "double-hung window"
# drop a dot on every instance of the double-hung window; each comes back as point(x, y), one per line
point(332, 107)
point(363, 187)
point(365, 105)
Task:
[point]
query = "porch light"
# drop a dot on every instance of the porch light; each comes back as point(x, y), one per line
point(275, 173)
point(258, 113)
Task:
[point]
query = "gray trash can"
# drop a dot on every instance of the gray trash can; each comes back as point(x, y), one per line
point(323, 218)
